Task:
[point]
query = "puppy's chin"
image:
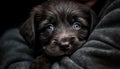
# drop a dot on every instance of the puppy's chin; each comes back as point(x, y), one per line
point(53, 51)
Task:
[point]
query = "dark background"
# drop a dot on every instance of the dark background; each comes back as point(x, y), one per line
point(13, 13)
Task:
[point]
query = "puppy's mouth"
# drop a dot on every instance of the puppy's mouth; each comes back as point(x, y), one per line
point(56, 51)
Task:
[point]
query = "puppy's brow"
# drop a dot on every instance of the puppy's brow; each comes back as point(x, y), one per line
point(43, 23)
point(50, 19)
point(80, 19)
point(83, 21)
point(47, 20)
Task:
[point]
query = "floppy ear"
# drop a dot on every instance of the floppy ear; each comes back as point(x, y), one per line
point(92, 15)
point(93, 19)
point(27, 30)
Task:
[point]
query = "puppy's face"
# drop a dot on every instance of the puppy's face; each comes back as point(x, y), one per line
point(61, 27)
point(62, 37)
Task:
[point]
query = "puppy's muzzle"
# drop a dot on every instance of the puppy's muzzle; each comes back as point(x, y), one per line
point(64, 43)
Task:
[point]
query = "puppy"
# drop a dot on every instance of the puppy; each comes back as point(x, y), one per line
point(57, 28)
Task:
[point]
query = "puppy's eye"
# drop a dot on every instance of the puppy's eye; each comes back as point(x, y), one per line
point(76, 26)
point(50, 27)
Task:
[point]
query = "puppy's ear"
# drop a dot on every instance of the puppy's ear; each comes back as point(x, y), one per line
point(93, 19)
point(27, 30)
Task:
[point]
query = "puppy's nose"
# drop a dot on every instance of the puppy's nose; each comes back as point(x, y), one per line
point(66, 42)
point(64, 45)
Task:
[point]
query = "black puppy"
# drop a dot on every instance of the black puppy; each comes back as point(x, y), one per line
point(57, 28)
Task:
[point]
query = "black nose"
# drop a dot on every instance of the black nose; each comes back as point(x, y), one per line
point(64, 45)
point(66, 42)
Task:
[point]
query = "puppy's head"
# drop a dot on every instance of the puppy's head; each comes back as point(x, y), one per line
point(58, 27)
